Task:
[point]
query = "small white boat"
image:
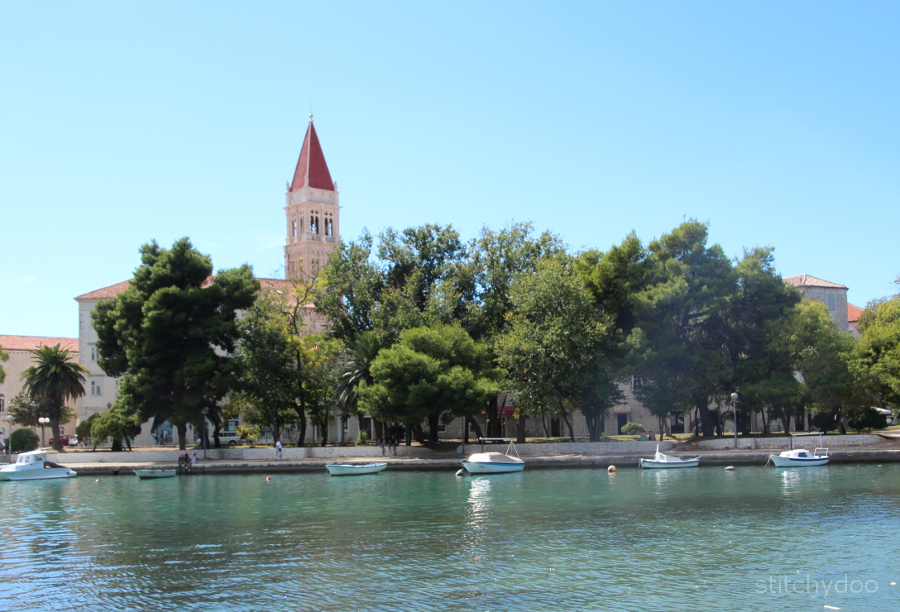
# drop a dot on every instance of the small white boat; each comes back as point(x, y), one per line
point(147, 474)
point(800, 457)
point(493, 462)
point(33, 465)
point(662, 461)
point(352, 469)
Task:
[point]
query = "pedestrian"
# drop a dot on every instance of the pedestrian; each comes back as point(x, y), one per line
point(2, 442)
point(181, 465)
point(194, 460)
point(393, 443)
point(278, 449)
point(381, 444)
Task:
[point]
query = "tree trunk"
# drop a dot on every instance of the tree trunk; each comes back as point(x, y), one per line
point(476, 428)
point(54, 431)
point(182, 436)
point(433, 421)
point(702, 403)
point(493, 419)
point(544, 423)
point(520, 428)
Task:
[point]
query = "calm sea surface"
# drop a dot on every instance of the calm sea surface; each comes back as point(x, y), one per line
point(574, 540)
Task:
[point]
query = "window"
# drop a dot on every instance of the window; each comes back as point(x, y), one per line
point(94, 353)
point(2, 403)
point(637, 383)
point(831, 301)
point(295, 228)
point(95, 387)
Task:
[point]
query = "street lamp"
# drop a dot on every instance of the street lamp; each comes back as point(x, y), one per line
point(734, 397)
point(43, 421)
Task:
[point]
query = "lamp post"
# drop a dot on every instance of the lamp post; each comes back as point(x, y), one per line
point(734, 397)
point(43, 421)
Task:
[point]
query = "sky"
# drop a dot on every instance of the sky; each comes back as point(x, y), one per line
point(124, 122)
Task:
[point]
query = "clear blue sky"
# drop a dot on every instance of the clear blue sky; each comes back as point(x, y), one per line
point(123, 122)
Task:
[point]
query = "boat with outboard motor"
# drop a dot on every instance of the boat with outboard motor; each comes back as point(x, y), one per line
point(493, 462)
point(801, 457)
point(662, 461)
point(34, 465)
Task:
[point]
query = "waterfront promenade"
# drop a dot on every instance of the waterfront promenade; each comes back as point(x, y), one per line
point(717, 452)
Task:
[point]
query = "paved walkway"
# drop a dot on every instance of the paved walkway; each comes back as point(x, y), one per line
point(449, 461)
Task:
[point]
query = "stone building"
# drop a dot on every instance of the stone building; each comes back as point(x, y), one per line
point(20, 359)
point(834, 296)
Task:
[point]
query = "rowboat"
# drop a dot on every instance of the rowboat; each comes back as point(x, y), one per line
point(662, 461)
point(493, 462)
point(33, 465)
point(147, 474)
point(353, 469)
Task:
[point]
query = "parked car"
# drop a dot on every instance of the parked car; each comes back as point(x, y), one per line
point(66, 440)
point(226, 438)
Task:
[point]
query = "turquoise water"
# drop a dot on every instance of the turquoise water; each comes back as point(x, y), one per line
point(707, 539)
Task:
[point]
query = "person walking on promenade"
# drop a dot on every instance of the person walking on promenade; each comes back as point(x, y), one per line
point(278, 449)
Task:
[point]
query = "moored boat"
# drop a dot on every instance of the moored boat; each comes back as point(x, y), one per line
point(148, 474)
point(662, 461)
point(352, 469)
point(34, 465)
point(800, 457)
point(494, 462)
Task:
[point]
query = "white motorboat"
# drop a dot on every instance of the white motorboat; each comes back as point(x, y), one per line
point(33, 465)
point(662, 461)
point(493, 462)
point(352, 469)
point(148, 474)
point(800, 457)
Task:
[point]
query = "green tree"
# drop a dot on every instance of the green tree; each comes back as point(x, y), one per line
point(350, 290)
point(430, 373)
point(117, 424)
point(355, 367)
point(23, 440)
point(168, 334)
point(825, 366)
point(26, 411)
point(877, 356)
point(555, 349)
point(265, 367)
point(52, 381)
point(760, 358)
point(679, 334)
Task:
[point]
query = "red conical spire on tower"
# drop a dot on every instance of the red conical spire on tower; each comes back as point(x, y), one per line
point(312, 171)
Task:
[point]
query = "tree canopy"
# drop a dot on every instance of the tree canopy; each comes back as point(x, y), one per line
point(168, 334)
point(52, 381)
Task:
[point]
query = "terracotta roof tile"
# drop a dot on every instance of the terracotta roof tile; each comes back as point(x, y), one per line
point(105, 293)
point(29, 343)
point(805, 280)
point(853, 313)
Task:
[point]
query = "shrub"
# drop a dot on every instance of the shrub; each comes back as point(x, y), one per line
point(23, 440)
point(362, 438)
point(632, 428)
point(868, 419)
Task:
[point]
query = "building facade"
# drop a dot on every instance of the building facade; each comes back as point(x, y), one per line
point(21, 358)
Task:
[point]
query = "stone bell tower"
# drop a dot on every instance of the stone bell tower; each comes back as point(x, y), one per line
point(313, 212)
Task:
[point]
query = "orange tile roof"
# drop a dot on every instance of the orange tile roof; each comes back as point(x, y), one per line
point(105, 293)
point(29, 343)
point(266, 284)
point(853, 313)
point(805, 280)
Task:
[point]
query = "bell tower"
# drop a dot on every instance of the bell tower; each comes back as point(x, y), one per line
point(313, 211)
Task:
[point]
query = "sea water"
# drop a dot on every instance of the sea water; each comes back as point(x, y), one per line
point(578, 539)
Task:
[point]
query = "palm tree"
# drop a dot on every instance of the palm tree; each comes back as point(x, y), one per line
point(361, 352)
point(53, 380)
